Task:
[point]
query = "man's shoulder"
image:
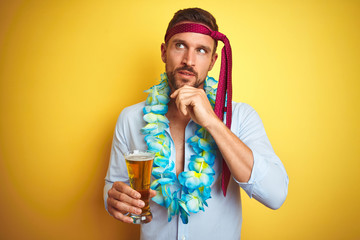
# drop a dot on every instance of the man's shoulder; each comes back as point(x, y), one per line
point(244, 115)
point(243, 112)
point(134, 109)
point(131, 114)
point(241, 107)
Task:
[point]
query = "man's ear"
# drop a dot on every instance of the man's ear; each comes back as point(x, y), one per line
point(163, 52)
point(213, 60)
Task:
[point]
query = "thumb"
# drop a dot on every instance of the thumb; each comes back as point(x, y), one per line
point(152, 193)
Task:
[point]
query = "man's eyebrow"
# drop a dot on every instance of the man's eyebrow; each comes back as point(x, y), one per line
point(176, 40)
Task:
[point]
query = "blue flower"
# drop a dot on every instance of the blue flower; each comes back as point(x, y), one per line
point(155, 118)
point(184, 212)
point(208, 157)
point(173, 208)
point(201, 167)
point(154, 128)
point(193, 180)
point(157, 109)
point(204, 144)
point(210, 81)
point(192, 202)
point(163, 99)
point(161, 161)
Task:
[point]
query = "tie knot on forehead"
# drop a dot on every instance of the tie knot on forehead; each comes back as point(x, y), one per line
point(218, 36)
point(187, 27)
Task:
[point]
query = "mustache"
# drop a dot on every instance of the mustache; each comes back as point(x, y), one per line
point(187, 68)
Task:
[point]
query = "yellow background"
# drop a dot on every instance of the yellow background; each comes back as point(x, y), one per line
point(67, 69)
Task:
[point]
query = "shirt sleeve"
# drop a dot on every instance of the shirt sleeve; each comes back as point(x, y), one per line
point(269, 181)
point(117, 170)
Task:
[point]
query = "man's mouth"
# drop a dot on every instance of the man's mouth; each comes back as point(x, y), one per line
point(186, 73)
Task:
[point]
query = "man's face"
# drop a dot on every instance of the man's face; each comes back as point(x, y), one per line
point(188, 57)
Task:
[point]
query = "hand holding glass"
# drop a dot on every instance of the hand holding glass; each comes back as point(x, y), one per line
point(139, 165)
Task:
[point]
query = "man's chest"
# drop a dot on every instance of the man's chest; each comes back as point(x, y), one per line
point(178, 137)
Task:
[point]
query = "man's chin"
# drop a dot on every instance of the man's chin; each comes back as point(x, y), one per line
point(184, 83)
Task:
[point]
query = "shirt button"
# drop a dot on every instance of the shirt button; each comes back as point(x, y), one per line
point(183, 238)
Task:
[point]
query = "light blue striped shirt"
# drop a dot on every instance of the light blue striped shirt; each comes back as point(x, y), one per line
point(222, 218)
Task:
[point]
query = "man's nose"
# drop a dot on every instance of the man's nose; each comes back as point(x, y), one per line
point(189, 58)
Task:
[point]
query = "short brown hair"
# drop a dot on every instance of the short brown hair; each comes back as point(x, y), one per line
point(196, 15)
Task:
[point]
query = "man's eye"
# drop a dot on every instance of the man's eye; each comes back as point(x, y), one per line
point(179, 45)
point(201, 50)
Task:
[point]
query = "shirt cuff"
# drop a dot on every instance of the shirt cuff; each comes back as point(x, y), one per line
point(258, 172)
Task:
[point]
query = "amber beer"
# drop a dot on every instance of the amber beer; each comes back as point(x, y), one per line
point(139, 166)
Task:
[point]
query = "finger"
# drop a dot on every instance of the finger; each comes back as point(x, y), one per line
point(185, 88)
point(186, 93)
point(186, 99)
point(181, 106)
point(193, 92)
point(123, 207)
point(119, 216)
point(174, 94)
point(183, 99)
point(124, 188)
point(123, 197)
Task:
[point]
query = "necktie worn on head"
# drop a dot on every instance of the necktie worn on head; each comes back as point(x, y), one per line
point(224, 86)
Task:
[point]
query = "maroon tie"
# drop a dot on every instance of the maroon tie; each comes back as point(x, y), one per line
point(224, 85)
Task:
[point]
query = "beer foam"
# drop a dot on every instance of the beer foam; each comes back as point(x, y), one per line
point(141, 156)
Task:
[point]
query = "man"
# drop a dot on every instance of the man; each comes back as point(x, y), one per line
point(188, 56)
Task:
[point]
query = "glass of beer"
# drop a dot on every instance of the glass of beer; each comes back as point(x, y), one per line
point(139, 165)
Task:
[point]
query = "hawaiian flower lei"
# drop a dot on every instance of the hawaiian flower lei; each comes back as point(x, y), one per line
point(196, 182)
